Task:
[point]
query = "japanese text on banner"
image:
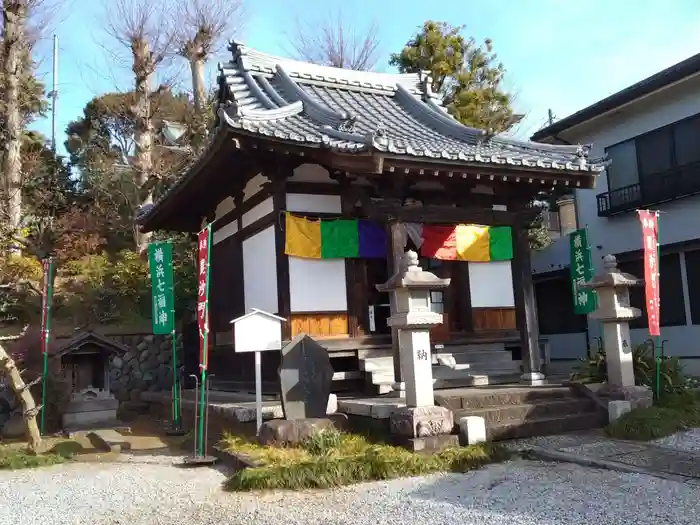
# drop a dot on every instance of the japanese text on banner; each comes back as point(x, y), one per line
point(45, 304)
point(160, 265)
point(649, 222)
point(203, 241)
point(581, 272)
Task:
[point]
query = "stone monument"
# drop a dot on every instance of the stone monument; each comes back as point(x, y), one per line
point(614, 313)
point(305, 374)
point(420, 424)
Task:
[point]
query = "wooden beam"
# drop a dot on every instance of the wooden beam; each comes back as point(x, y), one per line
point(437, 214)
point(278, 175)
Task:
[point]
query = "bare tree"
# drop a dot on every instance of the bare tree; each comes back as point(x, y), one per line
point(202, 24)
point(331, 42)
point(139, 25)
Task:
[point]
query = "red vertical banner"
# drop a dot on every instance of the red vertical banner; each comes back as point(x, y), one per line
point(203, 254)
point(650, 238)
point(45, 302)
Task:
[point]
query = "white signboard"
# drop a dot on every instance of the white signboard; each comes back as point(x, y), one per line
point(257, 331)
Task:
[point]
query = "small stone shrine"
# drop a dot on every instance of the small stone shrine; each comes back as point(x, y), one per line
point(420, 424)
point(614, 313)
point(86, 359)
point(305, 374)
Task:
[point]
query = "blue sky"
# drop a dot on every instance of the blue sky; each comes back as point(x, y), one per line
point(559, 54)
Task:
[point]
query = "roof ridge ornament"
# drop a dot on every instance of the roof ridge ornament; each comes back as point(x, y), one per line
point(347, 125)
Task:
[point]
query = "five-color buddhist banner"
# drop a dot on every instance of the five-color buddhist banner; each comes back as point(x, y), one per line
point(356, 238)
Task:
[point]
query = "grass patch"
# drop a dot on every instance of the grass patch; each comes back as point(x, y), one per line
point(332, 459)
point(14, 457)
point(673, 413)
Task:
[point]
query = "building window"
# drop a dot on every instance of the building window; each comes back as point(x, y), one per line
point(692, 269)
point(686, 136)
point(655, 152)
point(671, 285)
point(555, 307)
point(623, 170)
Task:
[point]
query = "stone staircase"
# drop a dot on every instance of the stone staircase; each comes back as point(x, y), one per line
point(518, 412)
point(457, 365)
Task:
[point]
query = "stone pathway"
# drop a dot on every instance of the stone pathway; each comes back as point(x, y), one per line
point(661, 458)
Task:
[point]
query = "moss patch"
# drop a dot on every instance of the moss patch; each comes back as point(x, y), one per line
point(333, 459)
point(673, 413)
point(12, 458)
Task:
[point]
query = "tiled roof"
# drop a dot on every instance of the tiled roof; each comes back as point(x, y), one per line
point(352, 111)
point(355, 111)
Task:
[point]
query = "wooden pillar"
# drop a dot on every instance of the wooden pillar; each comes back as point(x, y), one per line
point(396, 244)
point(526, 305)
point(279, 200)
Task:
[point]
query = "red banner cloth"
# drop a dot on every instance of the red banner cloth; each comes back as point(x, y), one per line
point(650, 238)
point(203, 294)
point(439, 242)
point(45, 305)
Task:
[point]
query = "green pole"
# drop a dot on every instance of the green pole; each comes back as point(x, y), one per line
point(46, 329)
point(176, 384)
point(205, 351)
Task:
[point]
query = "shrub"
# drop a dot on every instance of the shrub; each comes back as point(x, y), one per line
point(672, 413)
point(595, 369)
point(332, 459)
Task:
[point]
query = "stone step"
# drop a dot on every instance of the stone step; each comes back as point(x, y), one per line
point(475, 358)
point(109, 440)
point(470, 348)
point(545, 426)
point(377, 363)
point(525, 413)
point(476, 398)
point(373, 353)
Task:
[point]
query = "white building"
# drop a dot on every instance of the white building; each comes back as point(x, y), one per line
point(651, 133)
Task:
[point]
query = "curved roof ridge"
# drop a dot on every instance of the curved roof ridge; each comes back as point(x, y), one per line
point(315, 109)
point(254, 60)
point(442, 122)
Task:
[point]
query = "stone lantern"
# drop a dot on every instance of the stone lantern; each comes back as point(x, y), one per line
point(413, 317)
point(614, 313)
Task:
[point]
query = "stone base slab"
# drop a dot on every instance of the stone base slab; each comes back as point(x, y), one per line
point(290, 431)
point(92, 418)
point(421, 422)
point(428, 444)
point(638, 396)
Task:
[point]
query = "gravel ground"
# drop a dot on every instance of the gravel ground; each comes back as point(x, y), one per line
point(514, 493)
point(688, 441)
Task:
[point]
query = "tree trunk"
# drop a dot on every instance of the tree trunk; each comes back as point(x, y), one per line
point(14, 19)
point(143, 131)
point(29, 408)
point(199, 95)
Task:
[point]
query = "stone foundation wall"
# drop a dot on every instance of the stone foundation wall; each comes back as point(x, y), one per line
point(147, 366)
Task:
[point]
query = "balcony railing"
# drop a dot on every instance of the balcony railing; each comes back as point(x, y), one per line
point(670, 185)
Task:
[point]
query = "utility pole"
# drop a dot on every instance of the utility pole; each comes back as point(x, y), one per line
point(550, 117)
point(54, 93)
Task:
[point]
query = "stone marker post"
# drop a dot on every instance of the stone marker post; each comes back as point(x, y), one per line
point(413, 317)
point(614, 313)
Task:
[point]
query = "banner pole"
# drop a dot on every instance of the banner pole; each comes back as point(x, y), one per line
point(657, 344)
point(45, 339)
point(205, 345)
point(176, 397)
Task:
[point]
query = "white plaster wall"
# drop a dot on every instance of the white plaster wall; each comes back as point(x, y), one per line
point(258, 212)
point(224, 207)
point(253, 186)
point(260, 271)
point(301, 202)
point(491, 284)
point(316, 285)
point(311, 173)
point(225, 232)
